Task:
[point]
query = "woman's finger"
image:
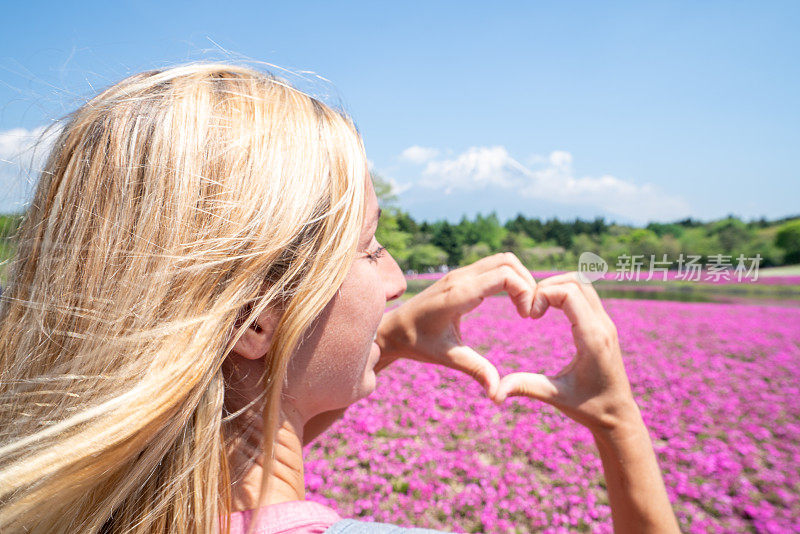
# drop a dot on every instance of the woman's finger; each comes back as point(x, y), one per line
point(493, 262)
point(567, 297)
point(466, 360)
point(533, 385)
point(515, 262)
point(482, 265)
point(586, 288)
point(502, 278)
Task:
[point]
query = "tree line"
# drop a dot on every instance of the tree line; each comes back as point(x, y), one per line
point(556, 244)
point(552, 243)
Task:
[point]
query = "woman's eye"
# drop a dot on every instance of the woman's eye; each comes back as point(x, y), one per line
point(373, 256)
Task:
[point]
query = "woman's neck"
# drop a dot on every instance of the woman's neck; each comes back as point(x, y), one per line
point(286, 481)
point(245, 452)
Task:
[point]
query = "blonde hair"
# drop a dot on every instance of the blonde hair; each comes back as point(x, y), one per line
point(171, 202)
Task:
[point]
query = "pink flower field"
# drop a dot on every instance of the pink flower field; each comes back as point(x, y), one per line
point(717, 384)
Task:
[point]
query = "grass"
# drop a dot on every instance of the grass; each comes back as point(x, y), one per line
point(786, 270)
point(6, 251)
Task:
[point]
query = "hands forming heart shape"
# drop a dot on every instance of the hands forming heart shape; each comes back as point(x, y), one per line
point(592, 389)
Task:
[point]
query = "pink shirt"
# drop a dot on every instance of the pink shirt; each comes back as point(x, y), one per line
point(293, 517)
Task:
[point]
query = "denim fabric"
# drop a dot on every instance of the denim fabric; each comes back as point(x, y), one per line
point(351, 526)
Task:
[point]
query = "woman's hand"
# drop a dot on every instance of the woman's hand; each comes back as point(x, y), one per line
point(426, 328)
point(592, 389)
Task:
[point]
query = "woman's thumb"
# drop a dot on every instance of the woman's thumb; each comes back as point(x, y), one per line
point(482, 370)
point(534, 385)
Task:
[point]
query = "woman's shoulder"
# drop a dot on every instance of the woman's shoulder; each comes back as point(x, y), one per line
point(309, 517)
point(352, 526)
point(295, 517)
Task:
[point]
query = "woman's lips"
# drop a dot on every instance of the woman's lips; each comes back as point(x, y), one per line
point(377, 352)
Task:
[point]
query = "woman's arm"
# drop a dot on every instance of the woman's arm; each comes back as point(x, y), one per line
point(593, 389)
point(636, 492)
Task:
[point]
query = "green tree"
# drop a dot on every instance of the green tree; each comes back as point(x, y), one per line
point(644, 242)
point(697, 241)
point(764, 243)
point(558, 232)
point(396, 241)
point(394, 225)
point(406, 224)
point(517, 243)
point(490, 231)
point(788, 239)
point(383, 190)
point(473, 253)
point(532, 227)
point(584, 243)
point(662, 229)
point(468, 231)
point(446, 238)
point(732, 234)
point(9, 224)
point(422, 257)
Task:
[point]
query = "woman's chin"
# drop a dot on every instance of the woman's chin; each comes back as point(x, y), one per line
point(368, 378)
point(368, 383)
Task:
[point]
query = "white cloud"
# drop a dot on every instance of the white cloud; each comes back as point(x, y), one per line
point(550, 178)
point(418, 154)
point(535, 159)
point(398, 188)
point(395, 187)
point(473, 169)
point(561, 159)
point(21, 159)
point(557, 182)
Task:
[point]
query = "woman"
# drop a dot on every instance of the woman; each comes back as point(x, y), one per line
point(195, 295)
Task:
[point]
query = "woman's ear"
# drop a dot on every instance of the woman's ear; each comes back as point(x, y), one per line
point(256, 338)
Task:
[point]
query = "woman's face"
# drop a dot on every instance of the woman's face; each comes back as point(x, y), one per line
point(333, 366)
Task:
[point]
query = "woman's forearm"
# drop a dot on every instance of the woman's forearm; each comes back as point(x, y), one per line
point(636, 491)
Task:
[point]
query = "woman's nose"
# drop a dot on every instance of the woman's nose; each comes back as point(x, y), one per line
point(396, 281)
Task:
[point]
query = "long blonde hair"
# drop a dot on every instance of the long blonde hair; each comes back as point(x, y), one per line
point(171, 201)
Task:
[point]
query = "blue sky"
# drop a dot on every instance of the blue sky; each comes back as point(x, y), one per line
point(634, 111)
